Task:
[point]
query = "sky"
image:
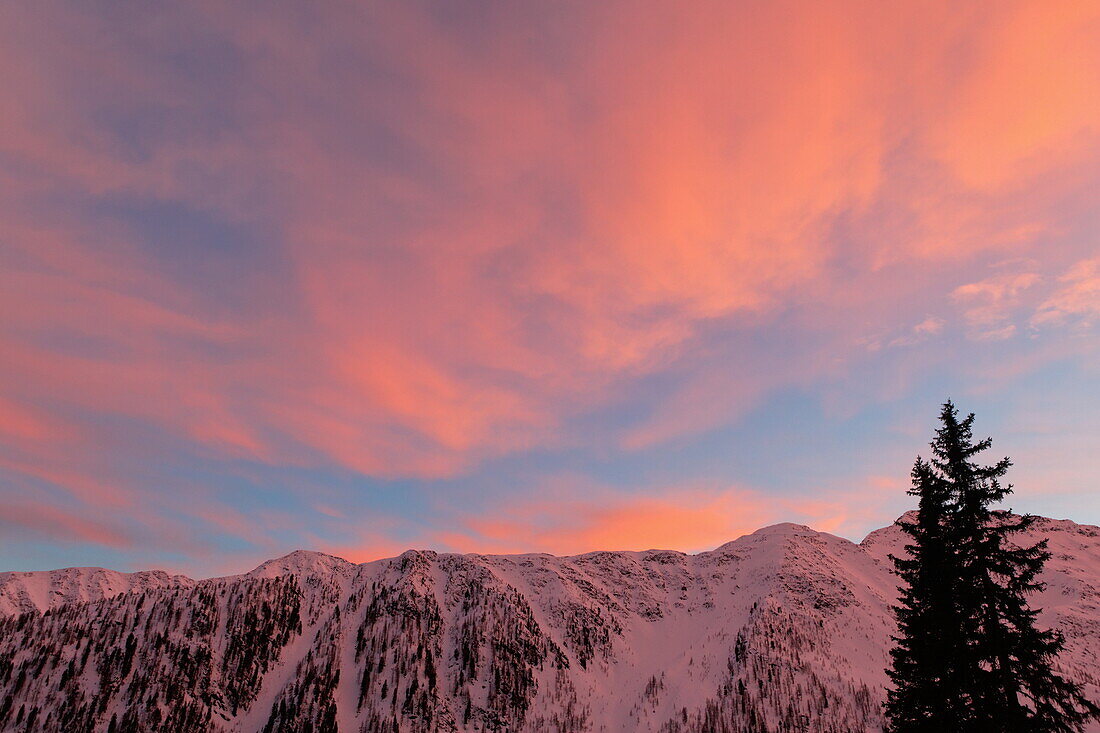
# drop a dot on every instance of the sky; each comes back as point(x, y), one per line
point(520, 276)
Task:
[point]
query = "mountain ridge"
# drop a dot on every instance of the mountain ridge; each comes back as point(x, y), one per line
point(786, 628)
point(9, 579)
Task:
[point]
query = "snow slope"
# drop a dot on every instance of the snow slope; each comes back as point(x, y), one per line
point(784, 629)
point(37, 591)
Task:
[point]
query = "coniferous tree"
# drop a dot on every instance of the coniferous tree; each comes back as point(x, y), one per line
point(969, 656)
point(1007, 664)
point(928, 621)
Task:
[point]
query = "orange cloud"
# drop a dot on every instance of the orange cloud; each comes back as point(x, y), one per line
point(688, 520)
point(568, 520)
point(1028, 97)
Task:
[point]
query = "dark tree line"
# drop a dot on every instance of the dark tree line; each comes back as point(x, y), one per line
point(969, 656)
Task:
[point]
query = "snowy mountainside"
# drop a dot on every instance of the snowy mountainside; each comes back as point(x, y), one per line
point(39, 590)
point(784, 629)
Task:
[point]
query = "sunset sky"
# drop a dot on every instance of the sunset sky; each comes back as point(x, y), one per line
point(520, 276)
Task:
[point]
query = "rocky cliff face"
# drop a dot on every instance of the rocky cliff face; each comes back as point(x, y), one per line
point(786, 629)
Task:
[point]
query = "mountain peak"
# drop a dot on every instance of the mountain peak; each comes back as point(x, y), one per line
point(786, 528)
point(301, 562)
point(770, 533)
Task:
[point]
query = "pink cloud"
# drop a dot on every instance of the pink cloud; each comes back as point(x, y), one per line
point(483, 246)
point(60, 525)
point(989, 304)
point(1076, 297)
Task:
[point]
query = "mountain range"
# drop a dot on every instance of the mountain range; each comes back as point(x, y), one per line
point(785, 629)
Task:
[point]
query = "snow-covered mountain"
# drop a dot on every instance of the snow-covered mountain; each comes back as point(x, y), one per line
point(786, 629)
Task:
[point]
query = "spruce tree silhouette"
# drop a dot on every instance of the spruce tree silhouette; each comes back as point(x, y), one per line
point(923, 697)
point(969, 656)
